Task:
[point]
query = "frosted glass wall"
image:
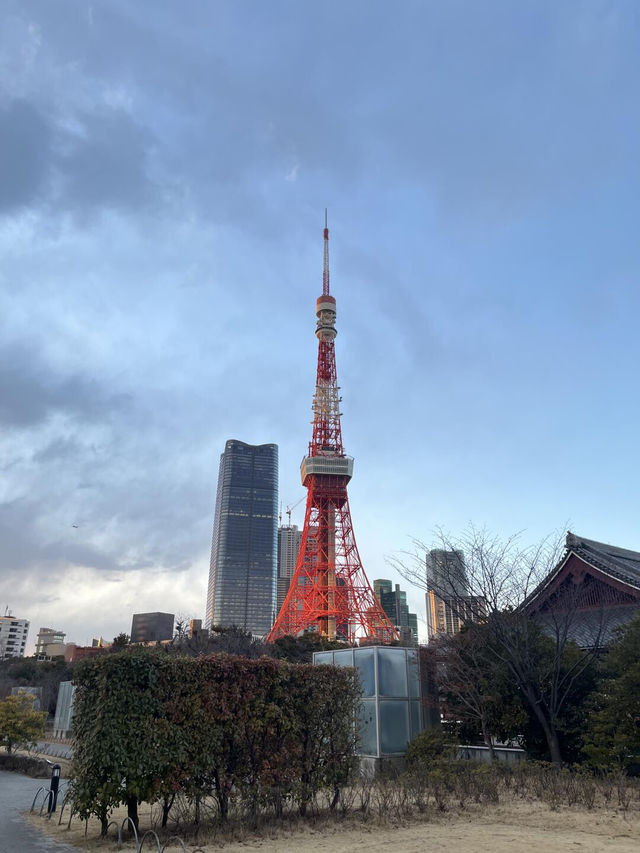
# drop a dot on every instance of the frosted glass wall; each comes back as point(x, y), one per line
point(390, 712)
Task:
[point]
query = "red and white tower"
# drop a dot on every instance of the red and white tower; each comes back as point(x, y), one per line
point(329, 591)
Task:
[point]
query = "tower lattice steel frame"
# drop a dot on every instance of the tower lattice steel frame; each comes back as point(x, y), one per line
point(329, 592)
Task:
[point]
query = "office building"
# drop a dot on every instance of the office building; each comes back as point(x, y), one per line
point(50, 644)
point(446, 573)
point(13, 636)
point(394, 604)
point(289, 537)
point(242, 573)
point(151, 627)
point(449, 601)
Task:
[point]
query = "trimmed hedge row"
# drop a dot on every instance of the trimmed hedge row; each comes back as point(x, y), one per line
point(35, 767)
point(148, 726)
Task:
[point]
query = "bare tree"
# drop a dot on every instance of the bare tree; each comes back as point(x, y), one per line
point(500, 577)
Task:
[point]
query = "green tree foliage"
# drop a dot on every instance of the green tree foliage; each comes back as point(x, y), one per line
point(301, 649)
point(613, 738)
point(430, 747)
point(120, 642)
point(476, 692)
point(560, 684)
point(229, 639)
point(20, 725)
point(149, 724)
point(492, 694)
point(548, 672)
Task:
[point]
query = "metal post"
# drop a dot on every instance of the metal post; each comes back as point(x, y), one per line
point(55, 784)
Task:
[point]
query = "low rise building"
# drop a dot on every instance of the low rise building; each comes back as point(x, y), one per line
point(50, 644)
point(75, 652)
point(152, 627)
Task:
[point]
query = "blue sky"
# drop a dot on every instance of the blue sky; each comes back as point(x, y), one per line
point(164, 170)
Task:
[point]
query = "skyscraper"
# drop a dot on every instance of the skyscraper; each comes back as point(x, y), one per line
point(446, 572)
point(242, 574)
point(289, 537)
point(449, 602)
point(394, 604)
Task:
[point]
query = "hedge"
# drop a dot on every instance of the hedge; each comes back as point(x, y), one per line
point(148, 726)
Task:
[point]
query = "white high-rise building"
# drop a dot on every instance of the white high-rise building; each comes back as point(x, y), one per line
point(13, 637)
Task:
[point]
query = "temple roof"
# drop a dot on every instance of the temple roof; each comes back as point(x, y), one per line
point(596, 626)
point(620, 563)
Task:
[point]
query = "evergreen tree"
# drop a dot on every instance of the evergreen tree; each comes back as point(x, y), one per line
point(613, 738)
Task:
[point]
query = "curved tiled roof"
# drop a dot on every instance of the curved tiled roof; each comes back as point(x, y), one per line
point(620, 563)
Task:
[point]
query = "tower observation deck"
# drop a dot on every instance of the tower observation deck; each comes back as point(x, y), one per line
point(329, 591)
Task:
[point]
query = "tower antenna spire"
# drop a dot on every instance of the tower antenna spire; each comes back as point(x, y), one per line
point(325, 264)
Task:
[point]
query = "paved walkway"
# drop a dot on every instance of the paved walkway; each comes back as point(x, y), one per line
point(16, 835)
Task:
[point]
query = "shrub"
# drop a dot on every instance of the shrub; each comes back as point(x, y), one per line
point(148, 726)
point(430, 748)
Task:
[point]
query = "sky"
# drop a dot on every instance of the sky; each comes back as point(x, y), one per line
point(164, 170)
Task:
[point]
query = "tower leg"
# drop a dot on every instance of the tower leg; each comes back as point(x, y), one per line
point(331, 573)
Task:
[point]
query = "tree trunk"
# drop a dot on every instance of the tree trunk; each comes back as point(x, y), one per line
point(554, 746)
point(222, 796)
point(550, 733)
point(277, 802)
point(335, 799)
point(166, 808)
point(132, 811)
point(488, 742)
point(104, 822)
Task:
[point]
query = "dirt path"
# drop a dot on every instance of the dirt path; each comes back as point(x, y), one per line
point(517, 827)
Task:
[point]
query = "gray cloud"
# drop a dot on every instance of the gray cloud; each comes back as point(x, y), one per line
point(80, 162)
point(107, 164)
point(31, 390)
point(25, 155)
point(23, 546)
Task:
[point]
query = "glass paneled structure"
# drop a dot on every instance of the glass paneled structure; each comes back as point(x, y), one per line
point(242, 573)
point(390, 711)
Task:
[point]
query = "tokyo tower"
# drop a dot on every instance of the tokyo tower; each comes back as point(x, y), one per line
point(329, 591)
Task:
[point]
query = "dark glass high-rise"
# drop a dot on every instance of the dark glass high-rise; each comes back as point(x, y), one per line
point(242, 574)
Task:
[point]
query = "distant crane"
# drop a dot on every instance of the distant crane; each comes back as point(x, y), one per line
point(290, 509)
